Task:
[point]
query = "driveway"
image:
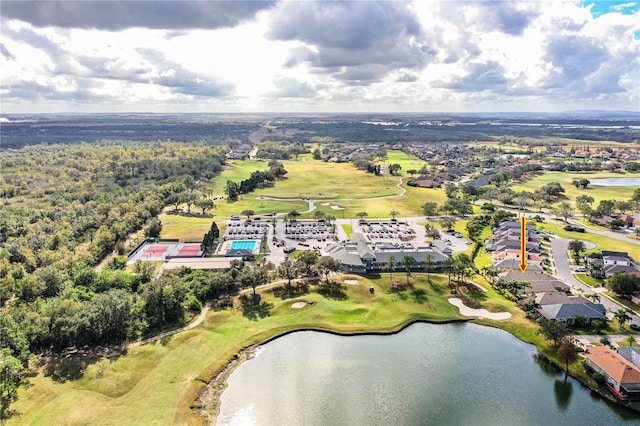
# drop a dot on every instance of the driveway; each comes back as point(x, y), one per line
point(559, 247)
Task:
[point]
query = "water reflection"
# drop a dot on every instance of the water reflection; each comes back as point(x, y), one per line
point(422, 375)
point(563, 389)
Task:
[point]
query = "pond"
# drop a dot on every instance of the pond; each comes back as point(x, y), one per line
point(616, 182)
point(454, 374)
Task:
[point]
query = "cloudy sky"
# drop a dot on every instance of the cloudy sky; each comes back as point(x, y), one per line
point(315, 56)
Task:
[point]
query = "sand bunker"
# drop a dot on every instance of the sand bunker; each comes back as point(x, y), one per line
point(325, 204)
point(351, 282)
point(480, 313)
point(299, 305)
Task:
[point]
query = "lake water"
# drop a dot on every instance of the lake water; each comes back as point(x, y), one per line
point(616, 182)
point(454, 374)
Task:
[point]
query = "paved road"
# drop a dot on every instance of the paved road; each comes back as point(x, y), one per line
point(620, 235)
point(559, 247)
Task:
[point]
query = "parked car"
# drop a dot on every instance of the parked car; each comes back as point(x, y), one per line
point(574, 228)
point(235, 217)
point(580, 269)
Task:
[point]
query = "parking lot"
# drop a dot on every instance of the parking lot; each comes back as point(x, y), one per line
point(387, 231)
point(240, 230)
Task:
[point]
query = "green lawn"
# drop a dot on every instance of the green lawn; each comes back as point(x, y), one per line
point(571, 192)
point(157, 383)
point(188, 228)
point(347, 229)
point(601, 242)
point(586, 279)
point(348, 188)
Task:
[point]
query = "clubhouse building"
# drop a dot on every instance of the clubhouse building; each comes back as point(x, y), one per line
point(362, 256)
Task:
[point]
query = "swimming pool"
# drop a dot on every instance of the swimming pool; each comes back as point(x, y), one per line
point(243, 245)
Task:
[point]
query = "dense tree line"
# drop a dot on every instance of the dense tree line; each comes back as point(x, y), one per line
point(280, 151)
point(257, 179)
point(57, 129)
point(64, 208)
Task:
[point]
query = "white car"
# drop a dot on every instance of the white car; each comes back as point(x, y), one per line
point(580, 269)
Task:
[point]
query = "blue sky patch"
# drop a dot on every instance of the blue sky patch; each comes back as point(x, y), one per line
point(611, 6)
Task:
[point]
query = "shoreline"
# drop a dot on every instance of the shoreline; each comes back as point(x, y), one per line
point(207, 403)
point(209, 395)
point(206, 406)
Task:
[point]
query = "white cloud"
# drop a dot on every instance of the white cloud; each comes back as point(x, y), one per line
point(321, 56)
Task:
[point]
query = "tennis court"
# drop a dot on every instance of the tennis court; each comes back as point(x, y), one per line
point(190, 250)
point(152, 251)
point(157, 250)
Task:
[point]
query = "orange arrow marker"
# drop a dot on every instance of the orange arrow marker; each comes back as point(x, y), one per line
point(523, 243)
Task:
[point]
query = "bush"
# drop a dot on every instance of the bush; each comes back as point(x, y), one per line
point(599, 378)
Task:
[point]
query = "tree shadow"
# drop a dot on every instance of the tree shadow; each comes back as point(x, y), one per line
point(291, 292)
point(254, 309)
point(419, 295)
point(72, 364)
point(436, 288)
point(333, 290)
point(473, 295)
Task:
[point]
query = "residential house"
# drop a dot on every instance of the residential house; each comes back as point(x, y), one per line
point(631, 354)
point(621, 376)
point(607, 263)
point(514, 265)
point(424, 182)
point(557, 297)
point(567, 312)
point(630, 220)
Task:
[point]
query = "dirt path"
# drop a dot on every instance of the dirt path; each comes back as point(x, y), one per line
point(189, 326)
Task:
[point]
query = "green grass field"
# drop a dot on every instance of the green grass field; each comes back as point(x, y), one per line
point(157, 383)
point(187, 228)
point(348, 188)
point(571, 192)
point(601, 242)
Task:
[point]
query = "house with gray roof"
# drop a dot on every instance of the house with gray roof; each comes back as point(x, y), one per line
point(631, 354)
point(514, 265)
point(558, 297)
point(567, 312)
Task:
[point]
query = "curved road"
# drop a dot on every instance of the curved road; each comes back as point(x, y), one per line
point(559, 247)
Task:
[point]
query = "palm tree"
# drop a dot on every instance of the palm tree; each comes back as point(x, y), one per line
point(390, 266)
point(489, 273)
point(408, 262)
point(593, 297)
point(622, 317)
point(631, 339)
point(428, 260)
point(292, 215)
point(595, 270)
point(394, 213)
